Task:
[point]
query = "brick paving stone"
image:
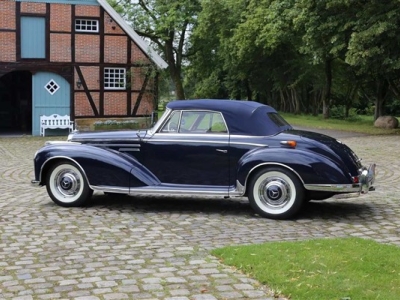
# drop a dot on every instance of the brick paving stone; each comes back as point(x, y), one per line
point(157, 247)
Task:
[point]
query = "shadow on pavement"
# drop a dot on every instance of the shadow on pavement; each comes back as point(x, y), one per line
point(333, 210)
point(232, 207)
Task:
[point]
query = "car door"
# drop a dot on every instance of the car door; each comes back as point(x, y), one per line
point(191, 148)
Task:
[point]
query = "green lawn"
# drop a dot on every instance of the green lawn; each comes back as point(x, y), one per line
point(321, 269)
point(363, 124)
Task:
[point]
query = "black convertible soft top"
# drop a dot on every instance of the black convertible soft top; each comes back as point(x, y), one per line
point(242, 117)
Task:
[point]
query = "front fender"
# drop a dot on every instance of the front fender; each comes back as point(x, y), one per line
point(310, 167)
point(101, 166)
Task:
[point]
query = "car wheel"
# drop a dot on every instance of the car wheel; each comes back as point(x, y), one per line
point(66, 185)
point(275, 193)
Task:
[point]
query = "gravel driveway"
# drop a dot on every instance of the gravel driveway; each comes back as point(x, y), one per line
point(158, 247)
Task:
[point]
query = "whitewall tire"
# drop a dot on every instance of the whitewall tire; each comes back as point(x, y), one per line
point(67, 185)
point(275, 193)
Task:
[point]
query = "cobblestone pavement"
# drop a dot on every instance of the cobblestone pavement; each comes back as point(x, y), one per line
point(158, 247)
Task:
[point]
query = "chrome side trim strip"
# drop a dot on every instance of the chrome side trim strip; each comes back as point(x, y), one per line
point(207, 142)
point(110, 189)
point(248, 144)
point(194, 135)
point(337, 188)
point(178, 191)
point(116, 145)
point(61, 143)
point(190, 141)
point(94, 140)
point(168, 190)
point(129, 149)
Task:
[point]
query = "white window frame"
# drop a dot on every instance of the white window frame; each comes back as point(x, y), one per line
point(114, 78)
point(87, 25)
point(52, 87)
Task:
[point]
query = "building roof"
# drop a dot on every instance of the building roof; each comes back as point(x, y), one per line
point(134, 36)
point(157, 59)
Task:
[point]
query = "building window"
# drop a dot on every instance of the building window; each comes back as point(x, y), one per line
point(114, 78)
point(84, 25)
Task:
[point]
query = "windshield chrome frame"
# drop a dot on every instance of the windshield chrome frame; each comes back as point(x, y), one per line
point(160, 122)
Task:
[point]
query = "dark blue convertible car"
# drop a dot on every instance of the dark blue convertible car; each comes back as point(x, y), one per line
point(206, 147)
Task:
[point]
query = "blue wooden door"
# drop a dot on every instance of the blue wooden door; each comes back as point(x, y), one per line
point(50, 95)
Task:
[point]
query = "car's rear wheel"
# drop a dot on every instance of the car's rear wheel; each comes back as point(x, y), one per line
point(275, 193)
point(66, 185)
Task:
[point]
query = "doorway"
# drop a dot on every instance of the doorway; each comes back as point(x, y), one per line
point(16, 102)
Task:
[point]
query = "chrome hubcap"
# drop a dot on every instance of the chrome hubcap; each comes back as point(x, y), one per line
point(67, 183)
point(274, 192)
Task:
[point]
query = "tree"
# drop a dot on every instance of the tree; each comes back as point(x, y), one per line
point(373, 49)
point(167, 24)
point(210, 71)
point(325, 27)
point(298, 55)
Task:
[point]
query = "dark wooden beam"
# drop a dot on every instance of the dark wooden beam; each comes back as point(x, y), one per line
point(85, 88)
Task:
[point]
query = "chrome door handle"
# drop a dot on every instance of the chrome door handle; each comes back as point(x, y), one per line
point(223, 151)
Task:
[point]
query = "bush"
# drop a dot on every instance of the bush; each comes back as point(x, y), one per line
point(338, 112)
point(113, 124)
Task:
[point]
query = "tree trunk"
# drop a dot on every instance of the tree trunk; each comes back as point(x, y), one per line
point(287, 99)
point(179, 91)
point(325, 105)
point(282, 105)
point(295, 99)
point(315, 101)
point(382, 90)
point(249, 91)
point(347, 111)
point(174, 71)
point(326, 102)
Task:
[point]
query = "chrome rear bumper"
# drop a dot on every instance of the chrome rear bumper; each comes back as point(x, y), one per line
point(366, 180)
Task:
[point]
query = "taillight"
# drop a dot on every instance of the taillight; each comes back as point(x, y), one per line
point(355, 179)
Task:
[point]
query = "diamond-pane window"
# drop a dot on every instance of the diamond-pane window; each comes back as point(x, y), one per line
point(84, 25)
point(52, 87)
point(114, 78)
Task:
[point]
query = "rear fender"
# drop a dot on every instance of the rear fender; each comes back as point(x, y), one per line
point(101, 166)
point(309, 167)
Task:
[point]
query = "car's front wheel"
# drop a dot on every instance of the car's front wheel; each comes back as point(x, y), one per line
point(275, 193)
point(66, 185)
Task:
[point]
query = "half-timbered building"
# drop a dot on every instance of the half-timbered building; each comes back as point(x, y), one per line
point(72, 57)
